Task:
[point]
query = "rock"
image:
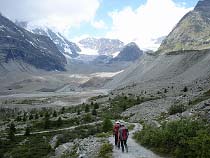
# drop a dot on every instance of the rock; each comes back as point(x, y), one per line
point(64, 148)
point(149, 110)
point(54, 140)
point(86, 148)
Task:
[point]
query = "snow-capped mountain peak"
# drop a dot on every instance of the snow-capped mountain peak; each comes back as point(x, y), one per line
point(69, 49)
point(101, 46)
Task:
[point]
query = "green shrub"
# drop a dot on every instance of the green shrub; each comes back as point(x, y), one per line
point(102, 135)
point(27, 131)
point(185, 89)
point(174, 109)
point(96, 106)
point(11, 131)
point(59, 122)
point(182, 138)
point(105, 151)
point(94, 112)
point(55, 113)
point(107, 125)
point(87, 108)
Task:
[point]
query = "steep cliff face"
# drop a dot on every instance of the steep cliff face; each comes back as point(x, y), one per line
point(192, 32)
point(17, 44)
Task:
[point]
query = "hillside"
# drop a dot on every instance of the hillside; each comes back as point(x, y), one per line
point(192, 32)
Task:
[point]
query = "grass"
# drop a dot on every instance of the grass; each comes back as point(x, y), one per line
point(130, 127)
point(203, 97)
point(105, 151)
point(103, 134)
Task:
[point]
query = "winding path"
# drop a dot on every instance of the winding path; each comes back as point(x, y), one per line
point(57, 130)
point(134, 149)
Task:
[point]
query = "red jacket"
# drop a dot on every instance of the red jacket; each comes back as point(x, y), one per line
point(116, 129)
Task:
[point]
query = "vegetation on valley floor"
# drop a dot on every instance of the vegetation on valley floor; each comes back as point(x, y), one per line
point(183, 138)
point(52, 119)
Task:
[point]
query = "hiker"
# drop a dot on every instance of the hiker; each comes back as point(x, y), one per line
point(123, 136)
point(115, 133)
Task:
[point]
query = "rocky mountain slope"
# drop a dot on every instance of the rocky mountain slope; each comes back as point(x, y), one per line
point(174, 76)
point(184, 54)
point(130, 52)
point(19, 45)
point(192, 32)
point(102, 46)
point(69, 49)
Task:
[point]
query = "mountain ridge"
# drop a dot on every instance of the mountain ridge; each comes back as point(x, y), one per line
point(68, 48)
point(103, 46)
point(192, 32)
point(17, 43)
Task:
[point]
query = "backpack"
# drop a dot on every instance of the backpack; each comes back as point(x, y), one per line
point(124, 134)
point(116, 128)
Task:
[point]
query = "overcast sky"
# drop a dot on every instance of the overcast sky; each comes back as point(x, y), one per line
point(141, 21)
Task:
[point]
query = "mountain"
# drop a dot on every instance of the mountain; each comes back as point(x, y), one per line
point(102, 46)
point(102, 59)
point(69, 49)
point(192, 32)
point(130, 52)
point(183, 59)
point(19, 45)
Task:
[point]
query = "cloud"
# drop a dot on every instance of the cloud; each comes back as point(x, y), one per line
point(154, 19)
point(99, 24)
point(61, 14)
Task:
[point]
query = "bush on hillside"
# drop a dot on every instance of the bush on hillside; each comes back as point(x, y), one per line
point(178, 108)
point(107, 125)
point(184, 138)
point(105, 151)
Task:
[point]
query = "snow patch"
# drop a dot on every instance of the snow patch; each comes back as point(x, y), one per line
point(115, 54)
point(87, 51)
point(67, 56)
point(33, 44)
point(67, 50)
point(106, 74)
point(2, 27)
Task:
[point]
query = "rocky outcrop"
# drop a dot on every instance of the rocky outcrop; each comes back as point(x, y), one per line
point(84, 148)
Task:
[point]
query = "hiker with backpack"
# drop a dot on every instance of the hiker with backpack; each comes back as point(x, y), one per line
point(115, 133)
point(123, 136)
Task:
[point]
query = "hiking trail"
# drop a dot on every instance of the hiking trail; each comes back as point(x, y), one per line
point(134, 149)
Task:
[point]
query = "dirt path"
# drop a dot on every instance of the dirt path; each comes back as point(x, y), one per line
point(57, 130)
point(134, 149)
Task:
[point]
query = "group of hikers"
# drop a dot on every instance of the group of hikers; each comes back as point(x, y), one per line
point(120, 132)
